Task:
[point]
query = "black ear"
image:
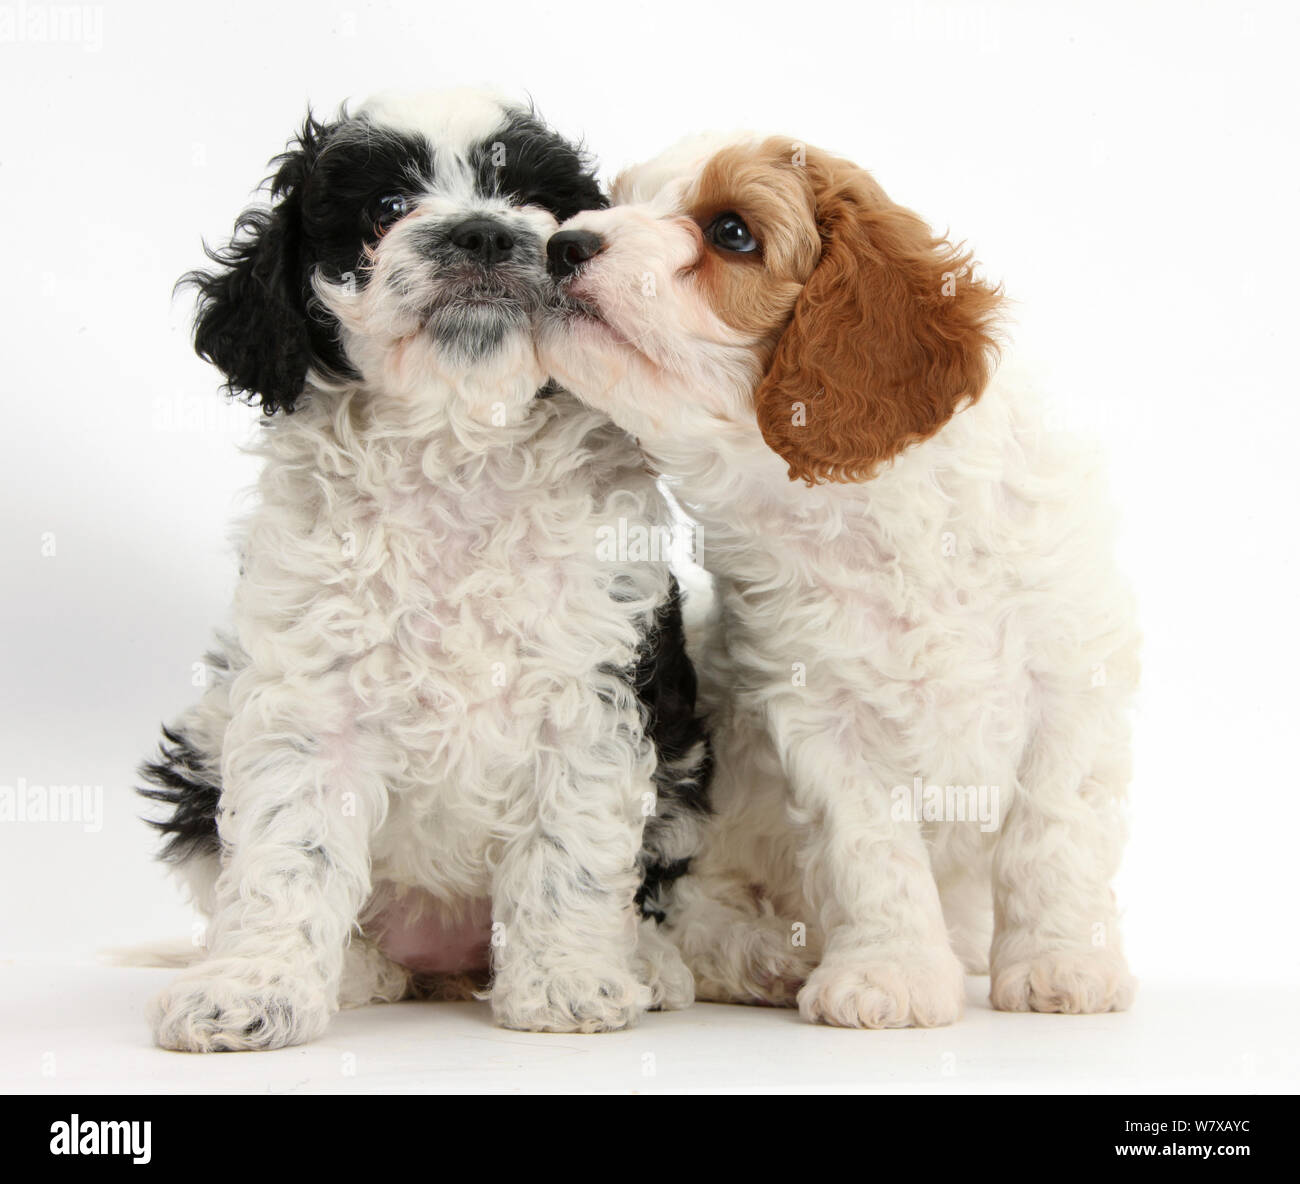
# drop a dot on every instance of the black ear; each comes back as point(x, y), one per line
point(252, 321)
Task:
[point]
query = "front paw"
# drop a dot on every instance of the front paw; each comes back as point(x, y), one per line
point(659, 965)
point(595, 999)
point(233, 1006)
point(1074, 982)
point(919, 987)
point(752, 961)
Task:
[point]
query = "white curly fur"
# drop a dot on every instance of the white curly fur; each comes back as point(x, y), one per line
point(423, 697)
point(959, 618)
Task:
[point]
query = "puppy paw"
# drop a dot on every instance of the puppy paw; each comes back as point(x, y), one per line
point(775, 969)
point(753, 962)
point(916, 987)
point(1074, 982)
point(599, 1000)
point(659, 965)
point(232, 1007)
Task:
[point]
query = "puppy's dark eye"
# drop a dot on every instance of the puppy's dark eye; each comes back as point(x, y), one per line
point(729, 232)
point(390, 209)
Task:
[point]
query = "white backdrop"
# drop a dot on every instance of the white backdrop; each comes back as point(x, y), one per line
point(1128, 170)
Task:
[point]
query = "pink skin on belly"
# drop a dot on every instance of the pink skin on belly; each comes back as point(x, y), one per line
point(425, 936)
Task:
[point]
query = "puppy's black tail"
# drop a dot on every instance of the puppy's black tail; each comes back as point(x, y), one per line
point(181, 779)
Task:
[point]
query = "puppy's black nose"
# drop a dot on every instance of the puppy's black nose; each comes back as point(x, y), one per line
point(488, 240)
point(568, 250)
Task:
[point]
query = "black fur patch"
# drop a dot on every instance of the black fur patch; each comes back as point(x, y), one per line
point(179, 779)
point(531, 165)
point(656, 883)
point(665, 684)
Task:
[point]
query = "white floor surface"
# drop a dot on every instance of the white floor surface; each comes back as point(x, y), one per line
point(70, 1028)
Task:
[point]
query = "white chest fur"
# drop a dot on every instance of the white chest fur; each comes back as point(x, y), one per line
point(462, 601)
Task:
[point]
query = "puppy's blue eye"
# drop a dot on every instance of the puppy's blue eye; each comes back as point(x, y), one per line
point(729, 232)
point(390, 208)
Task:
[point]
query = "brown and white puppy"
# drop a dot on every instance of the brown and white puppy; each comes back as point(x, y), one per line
point(925, 651)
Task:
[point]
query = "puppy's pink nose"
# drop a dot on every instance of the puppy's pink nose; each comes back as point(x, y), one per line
point(568, 250)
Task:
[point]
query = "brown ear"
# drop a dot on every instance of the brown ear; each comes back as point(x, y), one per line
point(890, 336)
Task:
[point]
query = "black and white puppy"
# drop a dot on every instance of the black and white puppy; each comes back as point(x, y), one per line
point(451, 724)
